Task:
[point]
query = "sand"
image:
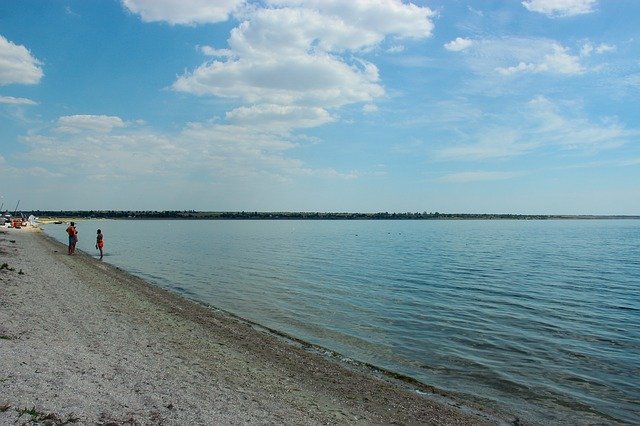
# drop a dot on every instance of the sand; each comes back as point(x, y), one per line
point(83, 341)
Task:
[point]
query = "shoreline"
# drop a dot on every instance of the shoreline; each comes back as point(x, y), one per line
point(79, 337)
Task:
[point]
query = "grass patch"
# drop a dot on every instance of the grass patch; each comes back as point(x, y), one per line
point(50, 419)
point(28, 411)
point(7, 267)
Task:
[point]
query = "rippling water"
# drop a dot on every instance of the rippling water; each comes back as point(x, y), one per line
point(539, 318)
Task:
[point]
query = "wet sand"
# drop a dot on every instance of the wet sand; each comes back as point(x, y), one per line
point(83, 340)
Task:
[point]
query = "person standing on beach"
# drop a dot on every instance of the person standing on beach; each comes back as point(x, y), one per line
point(99, 242)
point(73, 237)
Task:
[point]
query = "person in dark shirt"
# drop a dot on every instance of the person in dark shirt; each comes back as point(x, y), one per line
point(73, 237)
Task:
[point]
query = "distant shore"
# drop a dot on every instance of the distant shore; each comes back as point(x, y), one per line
point(82, 340)
point(49, 216)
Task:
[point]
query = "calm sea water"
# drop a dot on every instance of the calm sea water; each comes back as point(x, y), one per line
point(538, 318)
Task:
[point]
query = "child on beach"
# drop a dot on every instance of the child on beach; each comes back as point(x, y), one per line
point(99, 242)
point(73, 237)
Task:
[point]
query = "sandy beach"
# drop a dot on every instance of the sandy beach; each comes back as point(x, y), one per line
point(83, 341)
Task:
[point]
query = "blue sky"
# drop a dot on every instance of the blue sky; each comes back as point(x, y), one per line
point(321, 105)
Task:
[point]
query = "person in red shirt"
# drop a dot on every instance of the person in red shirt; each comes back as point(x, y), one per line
point(99, 242)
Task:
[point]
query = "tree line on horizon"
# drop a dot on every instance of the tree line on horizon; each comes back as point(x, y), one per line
point(207, 215)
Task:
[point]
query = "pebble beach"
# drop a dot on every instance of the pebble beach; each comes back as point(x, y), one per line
point(85, 342)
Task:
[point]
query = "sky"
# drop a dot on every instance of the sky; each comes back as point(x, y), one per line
point(521, 107)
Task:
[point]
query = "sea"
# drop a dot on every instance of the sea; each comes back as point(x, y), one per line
point(536, 318)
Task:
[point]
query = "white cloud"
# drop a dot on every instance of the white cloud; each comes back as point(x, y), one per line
point(183, 12)
point(289, 63)
point(521, 67)
point(17, 65)
point(327, 26)
point(10, 172)
point(491, 142)
point(541, 124)
point(98, 152)
point(396, 49)
point(279, 117)
point(299, 57)
point(232, 139)
point(211, 51)
point(239, 151)
point(319, 80)
point(558, 61)
point(508, 56)
point(93, 123)
point(475, 176)
point(560, 8)
point(367, 22)
point(588, 48)
point(370, 108)
point(459, 44)
point(10, 100)
point(605, 48)
point(106, 149)
point(561, 62)
point(563, 126)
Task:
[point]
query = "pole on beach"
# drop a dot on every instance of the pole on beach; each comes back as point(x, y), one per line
point(16, 210)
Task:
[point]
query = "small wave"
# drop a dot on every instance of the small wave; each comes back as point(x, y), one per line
point(624, 308)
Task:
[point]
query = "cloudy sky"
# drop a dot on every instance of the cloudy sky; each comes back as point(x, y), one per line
point(321, 105)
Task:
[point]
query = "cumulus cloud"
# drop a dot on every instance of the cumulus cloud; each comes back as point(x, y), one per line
point(558, 61)
point(17, 65)
point(320, 80)
point(290, 64)
point(177, 12)
point(368, 22)
point(300, 57)
point(560, 8)
point(279, 117)
point(588, 48)
point(10, 100)
point(458, 44)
